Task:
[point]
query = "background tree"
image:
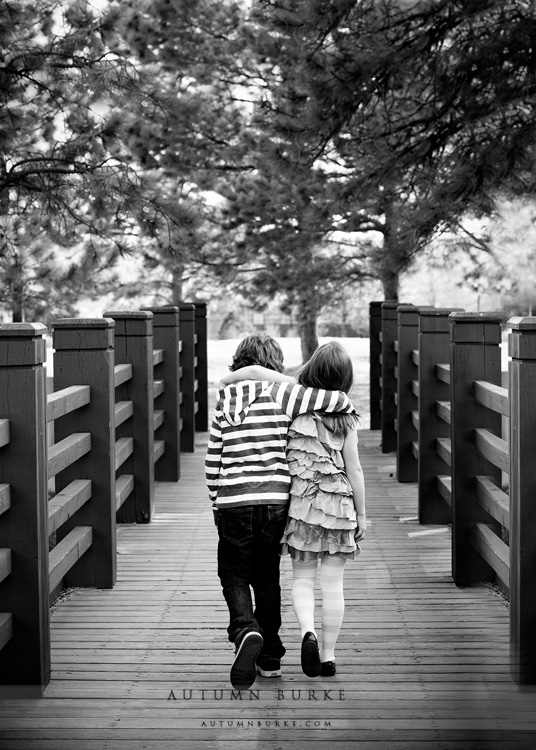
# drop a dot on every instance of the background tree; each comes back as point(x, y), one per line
point(284, 210)
point(429, 105)
point(281, 148)
point(291, 251)
point(196, 53)
point(40, 280)
point(64, 87)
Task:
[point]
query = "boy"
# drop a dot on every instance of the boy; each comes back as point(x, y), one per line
point(248, 481)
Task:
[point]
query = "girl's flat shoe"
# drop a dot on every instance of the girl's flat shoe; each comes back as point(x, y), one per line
point(310, 659)
point(327, 668)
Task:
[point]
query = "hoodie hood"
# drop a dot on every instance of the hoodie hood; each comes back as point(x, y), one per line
point(236, 399)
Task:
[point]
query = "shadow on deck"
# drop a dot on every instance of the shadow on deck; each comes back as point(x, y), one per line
point(421, 663)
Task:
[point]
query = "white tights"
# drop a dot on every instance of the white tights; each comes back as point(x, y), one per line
point(303, 599)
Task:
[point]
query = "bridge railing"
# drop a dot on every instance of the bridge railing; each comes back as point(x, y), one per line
point(433, 416)
point(24, 571)
point(135, 389)
point(100, 467)
point(472, 474)
point(188, 381)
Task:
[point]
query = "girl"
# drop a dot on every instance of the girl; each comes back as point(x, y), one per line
point(327, 504)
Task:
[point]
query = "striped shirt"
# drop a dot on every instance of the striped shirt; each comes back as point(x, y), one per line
point(246, 460)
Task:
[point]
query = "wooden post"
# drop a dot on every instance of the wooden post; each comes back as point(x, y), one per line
point(389, 317)
point(375, 345)
point(201, 370)
point(187, 360)
point(166, 336)
point(25, 659)
point(474, 355)
point(522, 387)
point(433, 350)
point(407, 402)
point(134, 345)
point(84, 355)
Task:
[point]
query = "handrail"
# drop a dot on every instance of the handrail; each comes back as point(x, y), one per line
point(492, 447)
point(100, 439)
point(5, 432)
point(123, 411)
point(67, 552)
point(462, 412)
point(494, 397)
point(444, 411)
point(5, 497)
point(6, 628)
point(493, 499)
point(5, 563)
point(493, 550)
point(122, 373)
point(67, 451)
point(67, 400)
point(65, 504)
point(443, 373)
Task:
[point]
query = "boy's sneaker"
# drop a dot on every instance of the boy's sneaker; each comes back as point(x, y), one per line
point(244, 669)
point(268, 666)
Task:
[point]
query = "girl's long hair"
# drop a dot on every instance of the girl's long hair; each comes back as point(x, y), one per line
point(331, 368)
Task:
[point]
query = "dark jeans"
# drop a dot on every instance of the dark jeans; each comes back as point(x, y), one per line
point(248, 556)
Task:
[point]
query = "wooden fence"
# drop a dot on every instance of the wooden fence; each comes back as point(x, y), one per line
point(129, 390)
point(437, 395)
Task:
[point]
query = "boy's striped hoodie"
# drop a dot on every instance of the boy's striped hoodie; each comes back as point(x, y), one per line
point(246, 462)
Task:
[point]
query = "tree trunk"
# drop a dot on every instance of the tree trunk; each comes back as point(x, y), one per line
point(307, 316)
point(176, 285)
point(390, 280)
point(17, 295)
point(389, 268)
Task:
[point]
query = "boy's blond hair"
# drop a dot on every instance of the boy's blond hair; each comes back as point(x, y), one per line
point(258, 349)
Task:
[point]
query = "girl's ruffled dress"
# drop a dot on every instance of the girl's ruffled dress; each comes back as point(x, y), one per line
point(322, 517)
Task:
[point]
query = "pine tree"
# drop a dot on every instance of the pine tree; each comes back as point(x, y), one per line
point(193, 52)
point(429, 106)
point(287, 210)
point(65, 166)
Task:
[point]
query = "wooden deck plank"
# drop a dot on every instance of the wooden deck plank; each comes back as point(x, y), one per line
point(421, 663)
point(375, 744)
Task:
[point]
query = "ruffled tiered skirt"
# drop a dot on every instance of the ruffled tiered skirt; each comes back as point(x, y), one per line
point(322, 518)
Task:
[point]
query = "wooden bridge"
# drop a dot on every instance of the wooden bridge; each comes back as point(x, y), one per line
point(422, 663)
point(144, 662)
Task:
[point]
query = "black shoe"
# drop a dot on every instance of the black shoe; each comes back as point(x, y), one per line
point(328, 668)
point(268, 666)
point(310, 660)
point(244, 670)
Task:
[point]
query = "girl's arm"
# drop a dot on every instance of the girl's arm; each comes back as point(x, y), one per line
point(256, 372)
point(354, 472)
